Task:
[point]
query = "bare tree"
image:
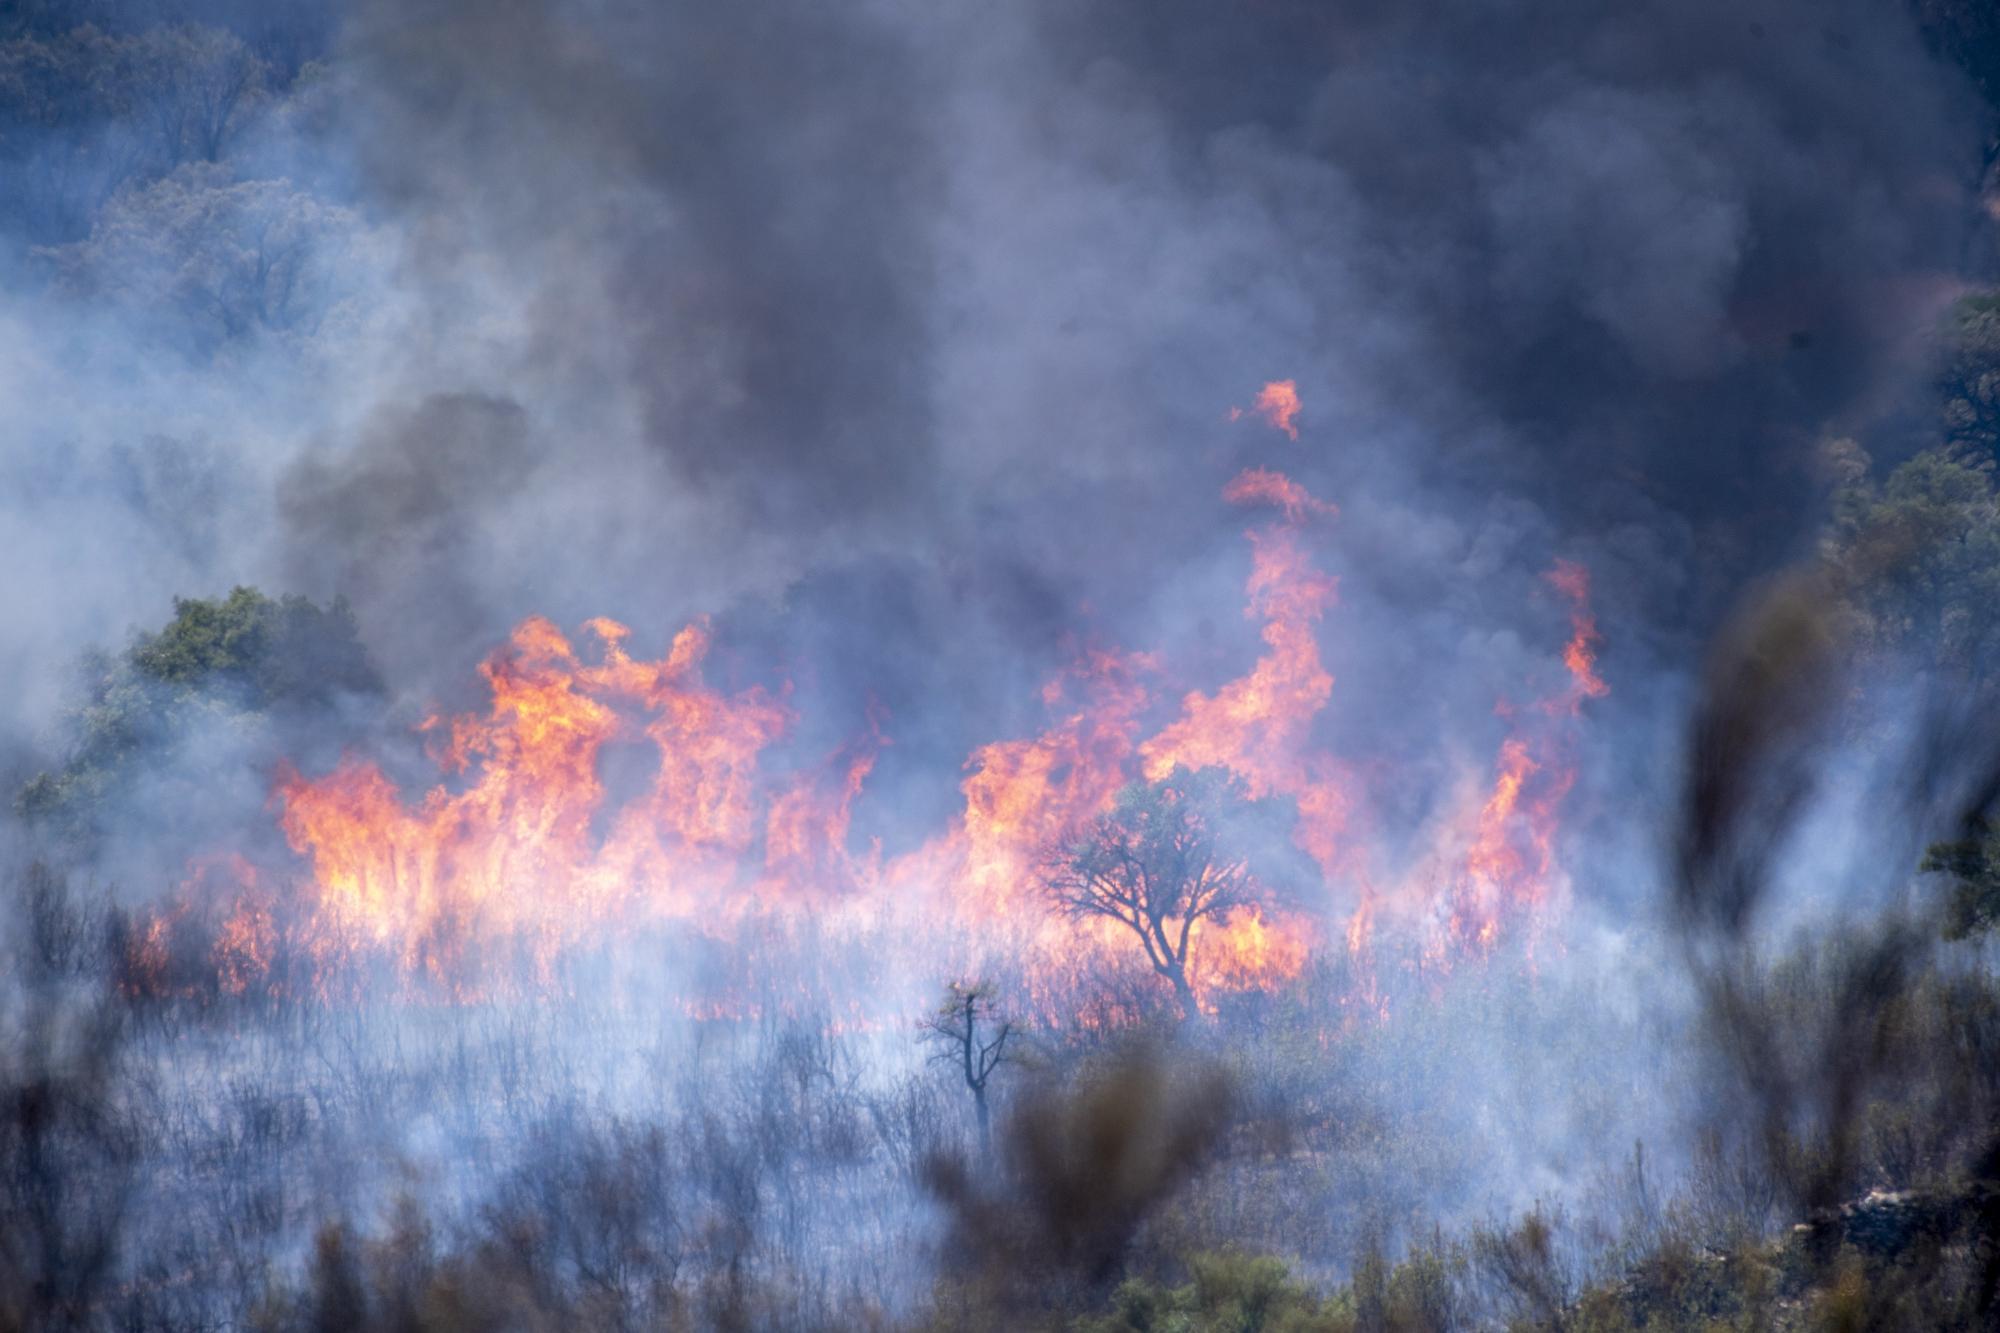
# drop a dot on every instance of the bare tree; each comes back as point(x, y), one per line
point(1158, 862)
point(970, 1031)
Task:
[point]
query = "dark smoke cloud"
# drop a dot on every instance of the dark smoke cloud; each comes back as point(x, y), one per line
point(408, 510)
point(875, 277)
point(1631, 259)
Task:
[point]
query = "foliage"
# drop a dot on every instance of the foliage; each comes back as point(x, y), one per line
point(1529, 1267)
point(1969, 380)
point(1973, 864)
point(1231, 1291)
point(1833, 1055)
point(85, 113)
point(1917, 557)
point(1227, 1292)
point(216, 662)
point(116, 143)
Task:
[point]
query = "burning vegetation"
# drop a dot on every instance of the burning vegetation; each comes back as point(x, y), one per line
point(521, 854)
point(830, 748)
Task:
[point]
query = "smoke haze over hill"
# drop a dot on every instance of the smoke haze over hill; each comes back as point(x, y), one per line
point(741, 493)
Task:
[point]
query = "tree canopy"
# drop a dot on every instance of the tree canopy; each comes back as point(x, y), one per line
point(217, 660)
point(1973, 864)
point(1917, 555)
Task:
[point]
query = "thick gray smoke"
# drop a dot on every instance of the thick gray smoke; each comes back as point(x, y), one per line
point(905, 339)
point(913, 345)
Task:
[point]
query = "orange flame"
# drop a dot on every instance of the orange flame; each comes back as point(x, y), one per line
point(1257, 726)
point(1250, 950)
point(528, 846)
point(1580, 653)
point(1278, 404)
point(1022, 794)
point(1508, 870)
point(515, 853)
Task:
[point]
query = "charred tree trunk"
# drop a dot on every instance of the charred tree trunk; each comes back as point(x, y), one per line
point(1191, 1014)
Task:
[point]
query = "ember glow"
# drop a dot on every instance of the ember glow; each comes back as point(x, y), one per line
point(520, 854)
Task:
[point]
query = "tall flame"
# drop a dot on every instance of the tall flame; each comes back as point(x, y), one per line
point(515, 853)
point(1508, 870)
point(524, 847)
point(1580, 653)
point(1257, 726)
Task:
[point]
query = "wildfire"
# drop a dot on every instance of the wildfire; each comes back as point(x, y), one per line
point(1278, 404)
point(1249, 951)
point(1509, 868)
point(1022, 794)
point(1258, 726)
point(1580, 653)
point(805, 835)
point(524, 849)
point(515, 854)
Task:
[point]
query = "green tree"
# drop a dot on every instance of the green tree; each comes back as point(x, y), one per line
point(1917, 557)
point(86, 114)
point(1969, 384)
point(216, 662)
point(1227, 1292)
point(200, 86)
point(1916, 560)
point(65, 137)
point(1973, 865)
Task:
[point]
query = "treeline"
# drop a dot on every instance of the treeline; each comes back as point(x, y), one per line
point(168, 164)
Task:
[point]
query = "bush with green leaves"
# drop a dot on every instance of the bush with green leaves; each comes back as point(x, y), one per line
point(219, 664)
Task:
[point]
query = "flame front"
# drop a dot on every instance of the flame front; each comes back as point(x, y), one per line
point(1580, 653)
point(520, 853)
point(515, 855)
